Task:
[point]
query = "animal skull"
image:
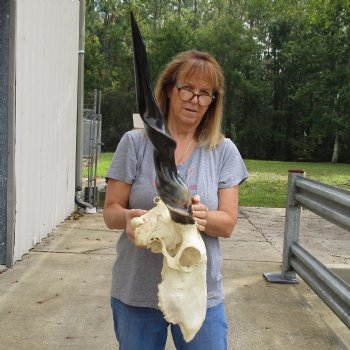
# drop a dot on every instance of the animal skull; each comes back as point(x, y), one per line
point(183, 291)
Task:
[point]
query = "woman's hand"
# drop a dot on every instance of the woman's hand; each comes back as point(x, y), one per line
point(129, 215)
point(200, 213)
point(219, 222)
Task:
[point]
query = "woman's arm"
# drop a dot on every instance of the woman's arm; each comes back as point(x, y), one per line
point(220, 222)
point(115, 211)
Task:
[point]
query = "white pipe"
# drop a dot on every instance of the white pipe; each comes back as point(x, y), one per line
point(80, 106)
point(80, 99)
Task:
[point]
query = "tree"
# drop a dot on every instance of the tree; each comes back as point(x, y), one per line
point(319, 60)
point(286, 65)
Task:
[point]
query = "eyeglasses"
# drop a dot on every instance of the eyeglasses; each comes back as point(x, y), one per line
point(186, 94)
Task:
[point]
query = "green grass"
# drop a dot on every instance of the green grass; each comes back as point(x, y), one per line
point(102, 165)
point(267, 183)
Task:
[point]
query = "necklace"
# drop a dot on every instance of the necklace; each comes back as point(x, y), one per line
point(184, 153)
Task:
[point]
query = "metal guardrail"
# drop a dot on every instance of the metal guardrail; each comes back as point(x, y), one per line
point(333, 204)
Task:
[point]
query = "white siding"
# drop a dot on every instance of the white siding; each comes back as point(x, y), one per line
point(47, 34)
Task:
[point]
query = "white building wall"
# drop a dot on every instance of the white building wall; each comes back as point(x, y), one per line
point(47, 35)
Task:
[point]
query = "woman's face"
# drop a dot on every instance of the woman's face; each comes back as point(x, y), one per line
point(187, 114)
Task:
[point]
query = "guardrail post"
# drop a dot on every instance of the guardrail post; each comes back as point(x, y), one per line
point(291, 233)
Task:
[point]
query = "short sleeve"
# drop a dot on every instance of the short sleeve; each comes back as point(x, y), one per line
point(232, 170)
point(124, 163)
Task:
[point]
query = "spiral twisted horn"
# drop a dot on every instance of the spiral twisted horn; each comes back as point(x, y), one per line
point(171, 187)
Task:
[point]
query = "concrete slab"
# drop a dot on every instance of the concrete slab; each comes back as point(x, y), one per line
point(269, 316)
point(326, 241)
point(57, 297)
point(57, 301)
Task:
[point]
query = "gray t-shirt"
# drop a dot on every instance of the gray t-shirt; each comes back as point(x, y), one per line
point(137, 272)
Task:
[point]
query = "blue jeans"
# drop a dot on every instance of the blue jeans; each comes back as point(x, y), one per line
point(142, 328)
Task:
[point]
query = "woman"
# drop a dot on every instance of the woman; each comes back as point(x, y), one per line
point(189, 93)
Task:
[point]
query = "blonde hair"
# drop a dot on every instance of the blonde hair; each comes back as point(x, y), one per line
point(196, 64)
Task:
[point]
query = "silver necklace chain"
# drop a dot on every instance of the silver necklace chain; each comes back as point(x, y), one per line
point(186, 150)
